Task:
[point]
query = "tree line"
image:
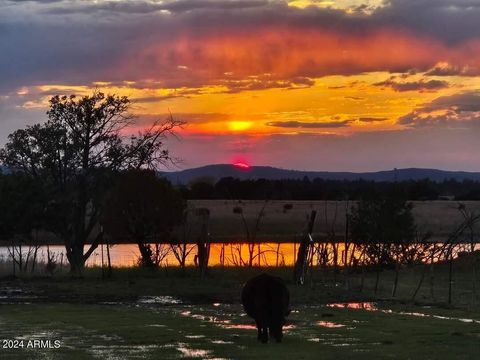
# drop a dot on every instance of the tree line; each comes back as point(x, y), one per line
point(321, 189)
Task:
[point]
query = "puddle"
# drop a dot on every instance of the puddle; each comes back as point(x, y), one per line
point(221, 318)
point(335, 341)
point(194, 336)
point(239, 326)
point(222, 342)
point(122, 351)
point(371, 306)
point(161, 300)
point(355, 305)
point(193, 316)
point(250, 327)
point(417, 314)
point(13, 295)
point(329, 324)
point(109, 337)
point(193, 353)
point(38, 335)
point(111, 303)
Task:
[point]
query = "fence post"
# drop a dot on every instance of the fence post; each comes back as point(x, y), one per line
point(302, 262)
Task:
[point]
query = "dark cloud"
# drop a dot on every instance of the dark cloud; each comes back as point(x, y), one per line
point(452, 21)
point(310, 125)
point(461, 102)
point(265, 82)
point(109, 7)
point(181, 93)
point(420, 85)
point(35, 1)
point(458, 111)
point(146, 7)
point(189, 5)
point(446, 69)
point(371, 119)
point(449, 20)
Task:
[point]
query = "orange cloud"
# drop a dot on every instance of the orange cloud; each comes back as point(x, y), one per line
point(287, 53)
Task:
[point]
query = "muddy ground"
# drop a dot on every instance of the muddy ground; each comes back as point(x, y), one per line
point(165, 328)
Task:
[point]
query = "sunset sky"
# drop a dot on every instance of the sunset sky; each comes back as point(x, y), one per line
point(352, 85)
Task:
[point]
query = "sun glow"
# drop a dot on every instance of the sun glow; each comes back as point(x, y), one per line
point(241, 165)
point(239, 125)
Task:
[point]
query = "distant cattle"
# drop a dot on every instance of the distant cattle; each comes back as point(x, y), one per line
point(266, 299)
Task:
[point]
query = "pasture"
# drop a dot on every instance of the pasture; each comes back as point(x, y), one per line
point(220, 331)
point(174, 314)
point(286, 220)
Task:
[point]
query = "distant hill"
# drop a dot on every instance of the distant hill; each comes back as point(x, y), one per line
point(271, 173)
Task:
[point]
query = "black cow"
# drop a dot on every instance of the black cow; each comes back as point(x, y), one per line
point(266, 299)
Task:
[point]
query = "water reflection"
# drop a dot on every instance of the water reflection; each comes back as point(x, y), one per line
point(224, 254)
point(329, 324)
point(221, 254)
point(161, 300)
point(354, 305)
point(193, 353)
point(370, 306)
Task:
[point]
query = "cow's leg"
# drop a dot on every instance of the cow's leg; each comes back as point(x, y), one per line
point(264, 336)
point(259, 329)
point(262, 330)
point(276, 333)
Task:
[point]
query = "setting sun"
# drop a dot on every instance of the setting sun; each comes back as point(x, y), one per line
point(242, 165)
point(239, 125)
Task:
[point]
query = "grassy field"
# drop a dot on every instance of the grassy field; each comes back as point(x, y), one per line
point(439, 217)
point(288, 225)
point(222, 332)
point(173, 313)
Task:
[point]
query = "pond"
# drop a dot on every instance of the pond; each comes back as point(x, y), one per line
point(221, 254)
point(127, 255)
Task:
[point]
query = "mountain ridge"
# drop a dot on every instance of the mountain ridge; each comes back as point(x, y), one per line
point(217, 171)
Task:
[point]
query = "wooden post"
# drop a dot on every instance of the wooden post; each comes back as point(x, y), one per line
point(203, 245)
point(103, 269)
point(302, 262)
point(450, 280)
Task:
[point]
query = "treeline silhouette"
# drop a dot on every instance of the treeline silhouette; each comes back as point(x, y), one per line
point(320, 189)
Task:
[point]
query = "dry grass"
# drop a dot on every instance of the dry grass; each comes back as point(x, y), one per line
point(278, 223)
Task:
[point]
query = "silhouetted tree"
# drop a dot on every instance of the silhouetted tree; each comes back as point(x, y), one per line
point(381, 227)
point(143, 208)
point(378, 224)
point(83, 139)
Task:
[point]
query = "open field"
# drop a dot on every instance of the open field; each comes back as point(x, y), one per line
point(223, 284)
point(220, 331)
point(173, 313)
point(287, 225)
point(278, 223)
